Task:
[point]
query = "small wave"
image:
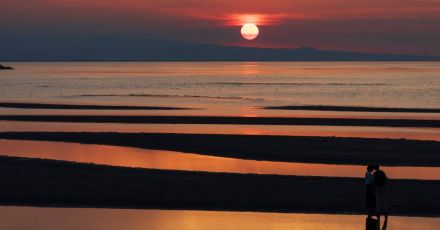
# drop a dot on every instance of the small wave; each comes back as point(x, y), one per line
point(46, 86)
point(293, 83)
point(173, 96)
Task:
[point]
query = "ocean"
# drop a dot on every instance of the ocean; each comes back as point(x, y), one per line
point(231, 88)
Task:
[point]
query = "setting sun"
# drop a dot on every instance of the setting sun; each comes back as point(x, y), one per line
point(249, 31)
point(216, 114)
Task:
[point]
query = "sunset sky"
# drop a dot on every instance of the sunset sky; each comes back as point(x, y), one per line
point(385, 26)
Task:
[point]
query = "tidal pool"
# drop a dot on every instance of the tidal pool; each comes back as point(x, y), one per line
point(160, 159)
point(24, 218)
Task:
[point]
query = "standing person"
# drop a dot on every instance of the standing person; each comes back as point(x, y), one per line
point(380, 187)
point(370, 198)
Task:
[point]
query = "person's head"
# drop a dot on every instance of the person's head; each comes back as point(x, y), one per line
point(370, 168)
point(376, 167)
point(380, 178)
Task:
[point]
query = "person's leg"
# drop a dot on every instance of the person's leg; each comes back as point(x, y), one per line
point(370, 200)
point(371, 223)
point(378, 223)
point(385, 223)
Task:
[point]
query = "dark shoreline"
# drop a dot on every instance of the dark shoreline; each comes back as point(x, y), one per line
point(353, 109)
point(2, 67)
point(85, 107)
point(49, 183)
point(326, 150)
point(225, 120)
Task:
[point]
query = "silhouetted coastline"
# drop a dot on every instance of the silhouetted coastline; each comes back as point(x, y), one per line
point(169, 50)
point(2, 67)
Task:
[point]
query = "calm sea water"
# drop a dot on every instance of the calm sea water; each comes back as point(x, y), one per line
point(226, 85)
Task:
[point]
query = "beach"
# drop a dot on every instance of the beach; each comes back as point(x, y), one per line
point(48, 183)
point(213, 115)
point(198, 136)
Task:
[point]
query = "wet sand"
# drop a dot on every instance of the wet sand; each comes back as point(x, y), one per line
point(85, 107)
point(225, 120)
point(33, 182)
point(326, 150)
point(354, 109)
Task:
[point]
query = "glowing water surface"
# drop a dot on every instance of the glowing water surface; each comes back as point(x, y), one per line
point(227, 88)
point(24, 218)
point(159, 159)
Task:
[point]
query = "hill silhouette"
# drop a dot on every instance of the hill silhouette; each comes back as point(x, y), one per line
point(111, 49)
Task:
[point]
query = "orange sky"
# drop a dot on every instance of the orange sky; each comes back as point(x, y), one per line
point(389, 26)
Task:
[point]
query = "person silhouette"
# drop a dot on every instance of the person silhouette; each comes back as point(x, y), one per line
point(370, 196)
point(380, 189)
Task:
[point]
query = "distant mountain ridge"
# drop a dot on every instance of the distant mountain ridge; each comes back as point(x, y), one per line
point(105, 49)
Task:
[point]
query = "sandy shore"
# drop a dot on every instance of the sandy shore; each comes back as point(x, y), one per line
point(34, 182)
point(354, 109)
point(85, 107)
point(327, 150)
point(225, 120)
